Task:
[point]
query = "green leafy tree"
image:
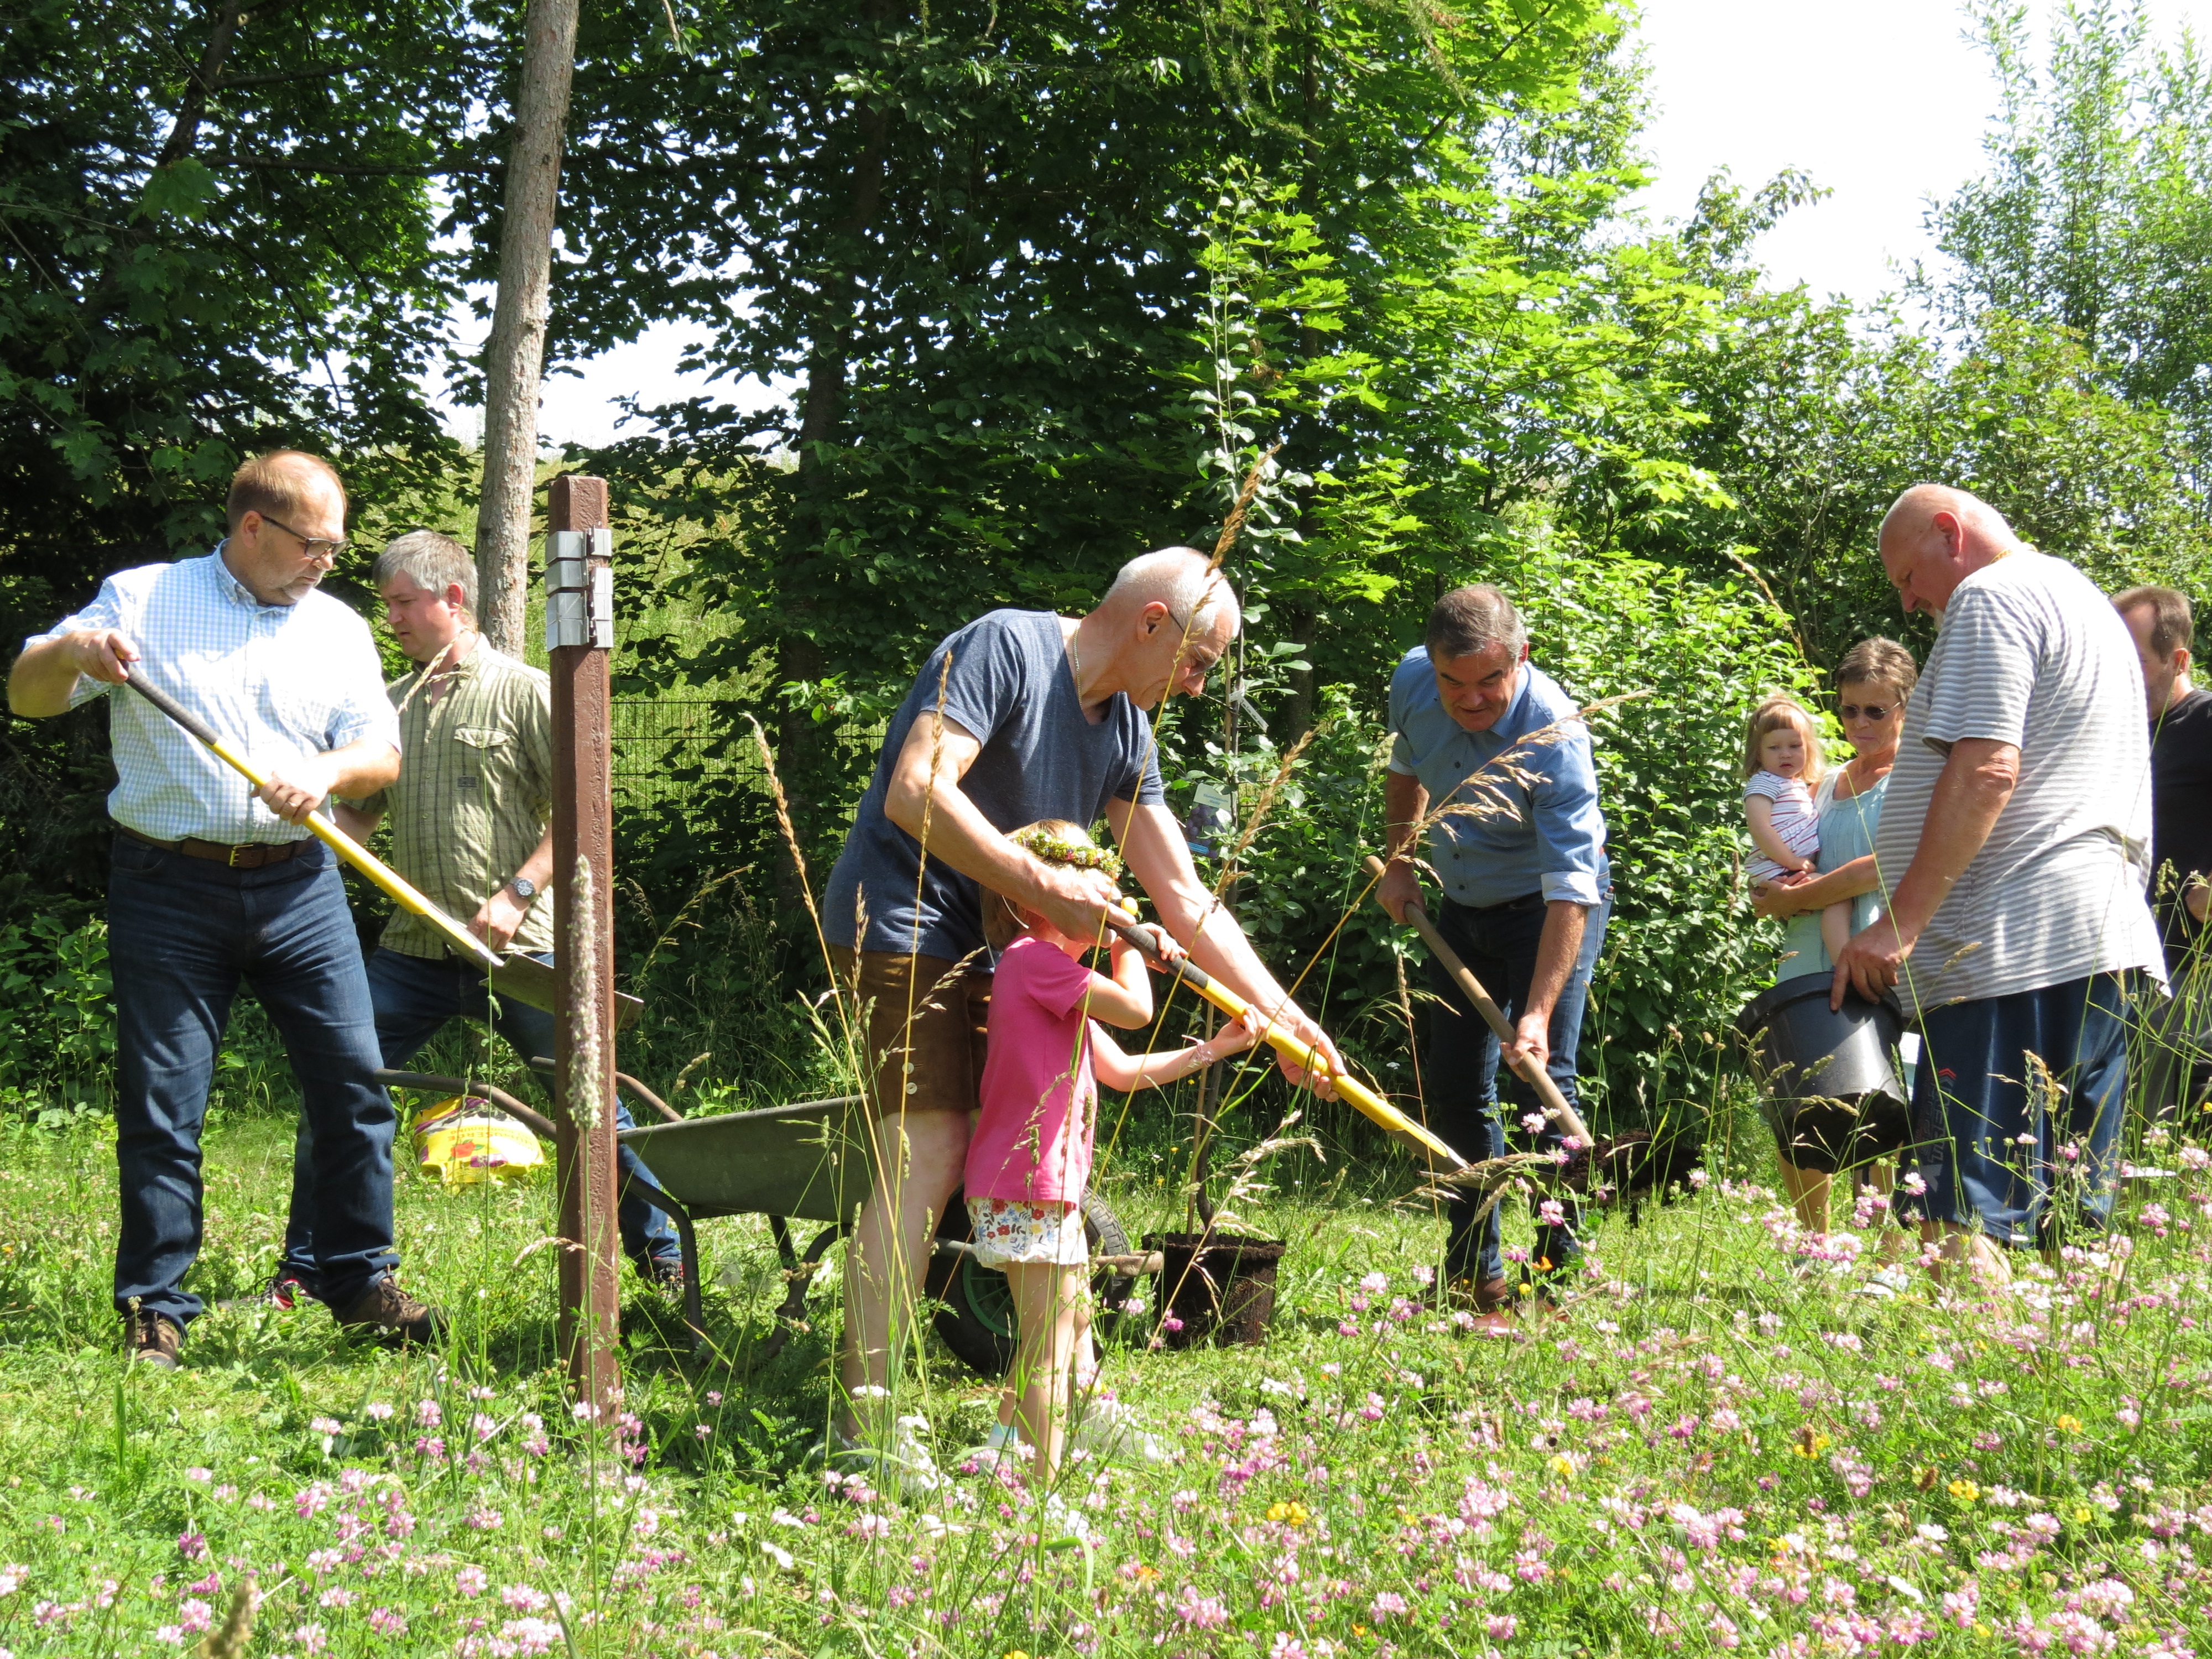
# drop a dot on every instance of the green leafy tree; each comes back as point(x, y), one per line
point(977, 243)
point(2095, 213)
point(220, 235)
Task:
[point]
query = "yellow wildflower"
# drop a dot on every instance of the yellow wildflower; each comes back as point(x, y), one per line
point(2069, 1423)
point(1295, 1514)
point(1965, 1491)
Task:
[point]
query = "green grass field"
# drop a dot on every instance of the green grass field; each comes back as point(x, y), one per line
point(1721, 1445)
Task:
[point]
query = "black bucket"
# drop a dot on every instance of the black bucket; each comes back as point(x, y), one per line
point(1225, 1296)
point(1832, 1095)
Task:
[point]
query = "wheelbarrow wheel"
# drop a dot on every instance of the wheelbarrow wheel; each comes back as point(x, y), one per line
point(976, 1319)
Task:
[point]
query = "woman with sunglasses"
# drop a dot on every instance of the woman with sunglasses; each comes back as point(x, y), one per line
point(1873, 682)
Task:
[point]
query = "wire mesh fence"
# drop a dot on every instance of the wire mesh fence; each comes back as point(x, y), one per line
point(666, 749)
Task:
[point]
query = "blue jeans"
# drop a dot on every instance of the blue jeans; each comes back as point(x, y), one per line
point(1975, 1097)
point(1461, 1078)
point(415, 996)
point(183, 933)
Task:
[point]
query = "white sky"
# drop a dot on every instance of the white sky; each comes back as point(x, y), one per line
point(1882, 102)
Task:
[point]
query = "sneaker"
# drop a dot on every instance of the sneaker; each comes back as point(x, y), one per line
point(1108, 1429)
point(1068, 1519)
point(664, 1274)
point(388, 1311)
point(903, 1468)
point(154, 1338)
point(987, 1459)
point(284, 1291)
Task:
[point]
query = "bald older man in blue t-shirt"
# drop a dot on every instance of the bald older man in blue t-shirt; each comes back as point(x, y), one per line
point(1528, 892)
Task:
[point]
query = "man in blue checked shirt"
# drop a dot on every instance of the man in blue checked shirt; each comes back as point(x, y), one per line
point(214, 883)
point(1528, 889)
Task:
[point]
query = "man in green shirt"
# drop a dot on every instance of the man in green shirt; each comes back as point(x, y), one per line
point(472, 827)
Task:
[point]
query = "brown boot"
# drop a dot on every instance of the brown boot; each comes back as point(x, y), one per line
point(153, 1338)
point(387, 1310)
point(1492, 1294)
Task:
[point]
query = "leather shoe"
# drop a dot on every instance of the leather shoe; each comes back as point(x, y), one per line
point(388, 1311)
point(153, 1338)
point(1481, 1296)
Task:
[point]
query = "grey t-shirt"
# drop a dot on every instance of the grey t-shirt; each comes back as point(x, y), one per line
point(2031, 654)
point(1009, 685)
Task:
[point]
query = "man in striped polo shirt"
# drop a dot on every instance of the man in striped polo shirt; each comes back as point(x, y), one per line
point(2014, 850)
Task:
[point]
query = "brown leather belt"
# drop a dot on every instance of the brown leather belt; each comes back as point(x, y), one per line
point(245, 855)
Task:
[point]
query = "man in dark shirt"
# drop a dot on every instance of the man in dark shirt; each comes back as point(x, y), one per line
point(1020, 715)
point(2181, 834)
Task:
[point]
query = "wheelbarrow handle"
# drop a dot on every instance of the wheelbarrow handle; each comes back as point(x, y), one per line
point(1555, 1104)
point(1294, 1047)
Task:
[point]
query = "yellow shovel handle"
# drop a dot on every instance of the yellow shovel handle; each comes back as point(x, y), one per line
point(1294, 1047)
point(401, 892)
point(397, 887)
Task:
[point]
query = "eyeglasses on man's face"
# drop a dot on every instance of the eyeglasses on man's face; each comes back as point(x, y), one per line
point(1867, 711)
point(1193, 659)
point(319, 547)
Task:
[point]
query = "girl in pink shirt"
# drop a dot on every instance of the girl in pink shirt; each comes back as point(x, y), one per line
point(1028, 1159)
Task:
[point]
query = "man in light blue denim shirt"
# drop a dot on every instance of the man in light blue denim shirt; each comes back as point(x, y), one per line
point(1481, 734)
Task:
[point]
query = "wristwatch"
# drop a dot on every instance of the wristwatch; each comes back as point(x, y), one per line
point(523, 888)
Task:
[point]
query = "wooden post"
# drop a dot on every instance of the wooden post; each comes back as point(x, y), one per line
point(579, 633)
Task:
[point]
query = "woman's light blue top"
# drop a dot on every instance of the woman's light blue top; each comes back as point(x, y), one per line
point(1847, 829)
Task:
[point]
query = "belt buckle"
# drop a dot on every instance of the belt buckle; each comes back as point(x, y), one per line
point(230, 856)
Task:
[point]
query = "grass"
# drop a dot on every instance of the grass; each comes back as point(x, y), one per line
point(1719, 1445)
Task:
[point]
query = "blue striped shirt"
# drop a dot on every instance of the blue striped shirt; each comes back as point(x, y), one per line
point(1539, 829)
point(279, 683)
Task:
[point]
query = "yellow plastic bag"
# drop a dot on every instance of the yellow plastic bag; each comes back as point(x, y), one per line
point(463, 1139)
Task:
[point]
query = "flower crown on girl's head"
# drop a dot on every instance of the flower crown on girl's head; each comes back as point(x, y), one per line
point(1054, 841)
point(1058, 847)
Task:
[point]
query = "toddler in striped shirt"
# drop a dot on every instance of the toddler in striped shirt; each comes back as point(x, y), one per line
point(1782, 767)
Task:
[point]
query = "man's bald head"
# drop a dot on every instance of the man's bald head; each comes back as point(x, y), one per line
point(1178, 578)
point(1934, 536)
point(1919, 505)
point(1166, 621)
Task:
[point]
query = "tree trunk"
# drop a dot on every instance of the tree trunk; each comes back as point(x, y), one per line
point(1297, 715)
point(184, 132)
point(514, 357)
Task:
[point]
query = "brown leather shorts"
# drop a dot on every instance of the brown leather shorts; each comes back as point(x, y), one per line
point(932, 1062)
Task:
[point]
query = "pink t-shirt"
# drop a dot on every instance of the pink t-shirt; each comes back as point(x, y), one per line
point(1040, 1100)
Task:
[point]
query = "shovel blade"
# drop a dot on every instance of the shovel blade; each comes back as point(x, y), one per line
point(528, 980)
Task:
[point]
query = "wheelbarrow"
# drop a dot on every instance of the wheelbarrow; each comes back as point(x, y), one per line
point(810, 1161)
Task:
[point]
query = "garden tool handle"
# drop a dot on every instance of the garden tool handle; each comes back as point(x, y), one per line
point(401, 892)
point(1555, 1104)
point(1292, 1047)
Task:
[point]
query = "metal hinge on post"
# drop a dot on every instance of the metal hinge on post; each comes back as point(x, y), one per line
point(580, 589)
